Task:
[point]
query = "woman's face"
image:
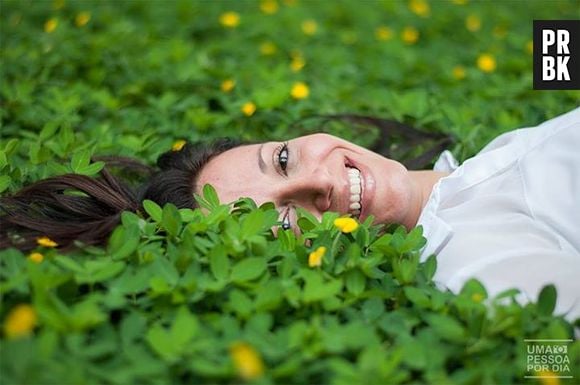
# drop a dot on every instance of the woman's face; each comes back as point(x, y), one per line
point(316, 172)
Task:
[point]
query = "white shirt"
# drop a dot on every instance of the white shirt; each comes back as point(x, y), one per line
point(510, 216)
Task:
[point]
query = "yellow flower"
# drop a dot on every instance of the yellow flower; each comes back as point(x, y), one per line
point(420, 7)
point(473, 23)
point(15, 19)
point(20, 321)
point(46, 242)
point(547, 377)
point(247, 361)
point(228, 85)
point(410, 35)
point(315, 258)
point(300, 91)
point(383, 33)
point(349, 37)
point(530, 47)
point(297, 63)
point(309, 27)
point(346, 225)
point(486, 62)
point(269, 7)
point(268, 48)
point(36, 257)
point(50, 25)
point(459, 72)
point(500, 31)
point(57, 4)
point(230, 19)
point(178, 145)
point(477, 297)
point(249, 108)
point(82, 19)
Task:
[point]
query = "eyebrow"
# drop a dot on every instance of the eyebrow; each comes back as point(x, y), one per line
point(261, 162)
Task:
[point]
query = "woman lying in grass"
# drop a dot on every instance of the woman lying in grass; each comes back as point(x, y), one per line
point(510, 216)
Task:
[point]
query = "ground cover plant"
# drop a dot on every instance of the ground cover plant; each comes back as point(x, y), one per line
point(181, 296)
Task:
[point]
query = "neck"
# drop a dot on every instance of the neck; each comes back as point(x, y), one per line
point(424, 181)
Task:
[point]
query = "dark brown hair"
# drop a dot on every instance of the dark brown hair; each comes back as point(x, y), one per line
point(73, 207)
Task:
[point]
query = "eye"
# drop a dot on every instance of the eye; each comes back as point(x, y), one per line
point(282, 154)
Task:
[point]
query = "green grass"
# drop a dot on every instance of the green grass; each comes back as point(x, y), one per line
point(166, 299)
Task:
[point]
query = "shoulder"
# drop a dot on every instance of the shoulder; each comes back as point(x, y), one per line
point(524, 140)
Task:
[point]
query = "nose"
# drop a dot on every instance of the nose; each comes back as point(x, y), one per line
point(311, 191)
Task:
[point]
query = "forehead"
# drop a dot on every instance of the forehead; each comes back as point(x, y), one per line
point(234, 173)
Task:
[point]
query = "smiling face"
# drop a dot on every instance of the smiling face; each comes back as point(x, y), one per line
point(319, 173)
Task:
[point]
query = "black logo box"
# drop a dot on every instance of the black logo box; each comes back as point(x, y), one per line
point(573, 28)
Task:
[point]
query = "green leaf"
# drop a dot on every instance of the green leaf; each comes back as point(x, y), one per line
point(306, 220)
point(11, 146)
point(91, 169)
point(413, 241)
point(430, 267)
point(80, 160)
point(153, 210)
point(184, 328)
point(414, 354)
point(241, 303)
point(3, 159)
point(132, 327)
point(219, 263)
point(98, 271)
point(48, 130)
point(248, 269)
point(171, 219)
point(124, 241)
point(355, 281)
point(405, 270)
point(316, 289)
point(69, 263)
point(252, 224)
point(162, 343)
point(417, 296)
point(305, 224)
point(210, 196)
point(268, 296)
point(159, 286)
point(166, 270)
point(287, 238)
point(547, 300)
point(5, 181)
point(446, 327)
point(373, 308)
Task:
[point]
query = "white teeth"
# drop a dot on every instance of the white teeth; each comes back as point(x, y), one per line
point(354, 177)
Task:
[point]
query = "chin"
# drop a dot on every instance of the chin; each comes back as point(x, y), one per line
point(396, 202)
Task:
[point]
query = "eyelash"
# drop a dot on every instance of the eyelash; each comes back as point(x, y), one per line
point(281, 155)
point(286, 221)
point(282, 160)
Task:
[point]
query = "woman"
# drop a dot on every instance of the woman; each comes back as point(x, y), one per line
point(509, 216)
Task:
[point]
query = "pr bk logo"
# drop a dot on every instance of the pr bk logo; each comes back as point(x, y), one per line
point(556, 54)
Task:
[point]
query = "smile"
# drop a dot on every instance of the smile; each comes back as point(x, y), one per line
point(355, 183)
